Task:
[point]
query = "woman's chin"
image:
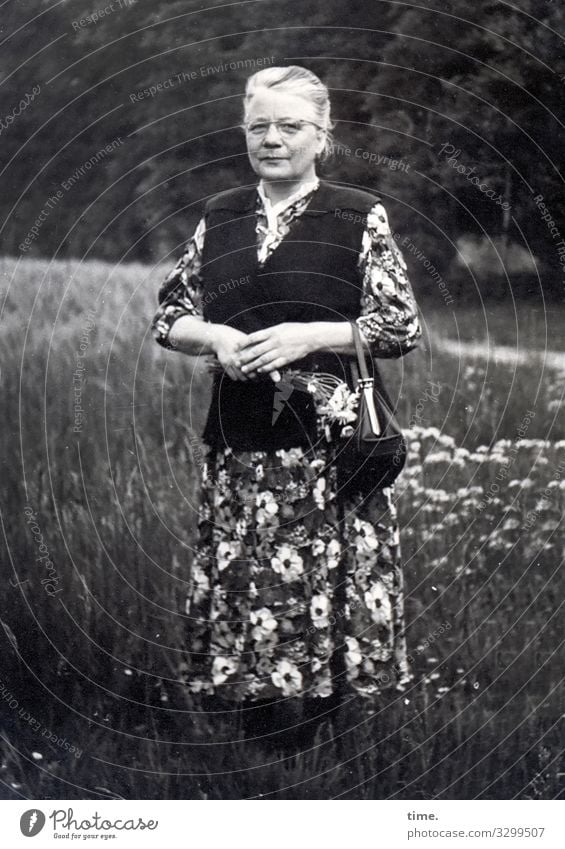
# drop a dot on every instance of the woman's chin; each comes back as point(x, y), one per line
point(274, 171)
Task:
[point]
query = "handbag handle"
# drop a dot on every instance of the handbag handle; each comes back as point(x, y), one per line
point(360, 351)
point(366, 381)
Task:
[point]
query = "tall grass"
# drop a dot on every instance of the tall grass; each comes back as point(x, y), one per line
point(113, 504)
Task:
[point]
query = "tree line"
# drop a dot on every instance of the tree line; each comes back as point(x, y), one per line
point(131, 112)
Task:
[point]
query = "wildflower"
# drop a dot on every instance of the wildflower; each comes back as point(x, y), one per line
point(290, 456)
point(438, 457)
point(511, 524)
point(341, 406)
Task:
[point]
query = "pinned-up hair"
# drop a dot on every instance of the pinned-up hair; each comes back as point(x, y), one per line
point(299, 81)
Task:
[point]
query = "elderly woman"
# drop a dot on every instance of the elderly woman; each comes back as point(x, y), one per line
point(296, 588)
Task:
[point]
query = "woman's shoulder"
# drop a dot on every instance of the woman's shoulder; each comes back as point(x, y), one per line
point(344, 196)
point(240, 198)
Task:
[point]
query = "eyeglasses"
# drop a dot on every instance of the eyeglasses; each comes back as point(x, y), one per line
point(286, 129)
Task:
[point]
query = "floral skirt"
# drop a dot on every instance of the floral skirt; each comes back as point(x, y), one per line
point(294, 591)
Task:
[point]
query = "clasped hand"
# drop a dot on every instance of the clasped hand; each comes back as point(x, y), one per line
point(245, 356)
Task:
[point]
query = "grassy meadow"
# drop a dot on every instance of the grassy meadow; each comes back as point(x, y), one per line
point(99, 489)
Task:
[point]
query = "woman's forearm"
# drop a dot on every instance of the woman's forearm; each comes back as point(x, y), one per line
point(194, 336)
point(336, 336)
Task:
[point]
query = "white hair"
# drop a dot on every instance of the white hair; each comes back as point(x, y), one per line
point(299, 81)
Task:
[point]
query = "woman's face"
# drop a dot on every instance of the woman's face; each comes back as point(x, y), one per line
point(276, 153)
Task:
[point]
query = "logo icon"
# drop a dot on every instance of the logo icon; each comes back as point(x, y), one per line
point(32, 822)
point(283, 392)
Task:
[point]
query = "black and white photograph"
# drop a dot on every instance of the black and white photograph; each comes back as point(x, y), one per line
point(283, 442)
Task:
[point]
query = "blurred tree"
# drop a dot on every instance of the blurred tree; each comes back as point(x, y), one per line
point(138, 115)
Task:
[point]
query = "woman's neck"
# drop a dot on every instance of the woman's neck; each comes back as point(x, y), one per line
point(279, 190)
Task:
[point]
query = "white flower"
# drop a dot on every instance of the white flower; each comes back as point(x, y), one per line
point(378, 602)
point(267, 642)
point(288, 563)
point(438, 457)
point(318, 493)
point(290, 456)
point(264, 622)
point(333, 552)
point(225, 553)
point(318, 547)
point(241, 528)
point(267, 507)
point(222, 668)
point(287, 677)
point(365, 538)
point(341, 406)
point(353, 656)
point(201, 584)
point(319, 609)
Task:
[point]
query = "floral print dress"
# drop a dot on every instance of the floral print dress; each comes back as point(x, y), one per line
point(294, 591)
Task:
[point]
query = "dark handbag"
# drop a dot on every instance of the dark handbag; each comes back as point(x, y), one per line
point(374, 453)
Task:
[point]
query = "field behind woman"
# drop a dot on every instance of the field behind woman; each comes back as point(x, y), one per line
point(100, 464)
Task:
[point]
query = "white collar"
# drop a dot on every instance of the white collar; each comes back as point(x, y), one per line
point(273, 210)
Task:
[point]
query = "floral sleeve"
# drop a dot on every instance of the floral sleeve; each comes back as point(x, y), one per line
point(181, 291)
point(389, 314)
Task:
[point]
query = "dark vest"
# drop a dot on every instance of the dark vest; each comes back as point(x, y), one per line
point(312, 275)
